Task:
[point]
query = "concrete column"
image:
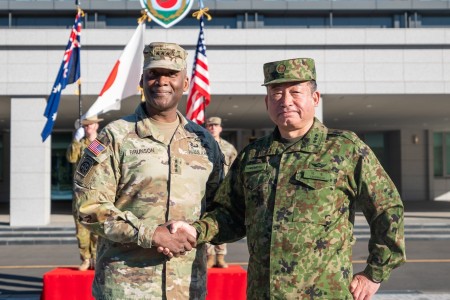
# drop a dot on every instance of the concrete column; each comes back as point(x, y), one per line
point(30, 164)
point(319, 110)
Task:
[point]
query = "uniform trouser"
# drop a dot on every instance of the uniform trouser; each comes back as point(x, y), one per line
point(216, 249)
point(87, 241)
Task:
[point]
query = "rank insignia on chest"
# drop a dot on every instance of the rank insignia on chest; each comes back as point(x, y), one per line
point(96, 147)
point(175, 165)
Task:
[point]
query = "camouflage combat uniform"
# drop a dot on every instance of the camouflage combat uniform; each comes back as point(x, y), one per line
point(87, 241)
point(229, 153)
point(296, 205)
point(130, 183)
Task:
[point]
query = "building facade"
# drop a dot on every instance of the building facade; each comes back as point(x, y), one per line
point(383, 71)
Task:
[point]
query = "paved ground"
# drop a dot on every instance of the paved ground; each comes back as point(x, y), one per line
point(24, 282)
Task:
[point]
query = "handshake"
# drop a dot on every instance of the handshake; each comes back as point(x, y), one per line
point(174, 238)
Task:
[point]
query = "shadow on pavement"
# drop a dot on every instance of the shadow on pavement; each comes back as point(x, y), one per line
point(14, 282)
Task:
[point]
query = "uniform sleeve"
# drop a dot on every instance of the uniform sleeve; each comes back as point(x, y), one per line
point(73, 152)
point(233, 154)
point(216, 176)
point(95, 186)
point(380, 202)
point(228, 214)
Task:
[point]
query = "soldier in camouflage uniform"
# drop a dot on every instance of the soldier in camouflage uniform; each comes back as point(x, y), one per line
point(293, 194)
point(87, 241)
point(142, 170)
point(216, 253)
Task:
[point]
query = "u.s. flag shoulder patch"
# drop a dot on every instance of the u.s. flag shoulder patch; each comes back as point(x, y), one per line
point(96, 147)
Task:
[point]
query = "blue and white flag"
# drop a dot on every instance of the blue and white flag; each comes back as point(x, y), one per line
point(69, 72)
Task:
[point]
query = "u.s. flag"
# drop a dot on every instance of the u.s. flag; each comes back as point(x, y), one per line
point(199, 92)
point(96, 147)
point(68, 73)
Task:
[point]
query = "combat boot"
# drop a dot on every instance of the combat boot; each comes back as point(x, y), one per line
point(92, 264)
point(85, 265)
point(221, 261)
point(210, 261)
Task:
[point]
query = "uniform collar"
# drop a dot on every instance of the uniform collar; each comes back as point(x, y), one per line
point(311, 142)
point(145, 128)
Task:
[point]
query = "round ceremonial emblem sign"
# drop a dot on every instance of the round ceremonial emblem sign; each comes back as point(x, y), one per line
point(167, 12)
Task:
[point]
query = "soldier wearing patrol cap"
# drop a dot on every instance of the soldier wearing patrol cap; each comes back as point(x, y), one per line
point(87, 241)
point(293, 193)
point(141, 171)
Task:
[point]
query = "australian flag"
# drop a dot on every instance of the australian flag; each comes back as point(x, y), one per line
point(69, 72)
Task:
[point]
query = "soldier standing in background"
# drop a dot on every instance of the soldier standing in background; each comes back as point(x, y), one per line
point(141, 171)
point(87, 241)
point(293, 193)
point(216, 253)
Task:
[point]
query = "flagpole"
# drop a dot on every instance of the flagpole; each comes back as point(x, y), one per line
point(200, 3)
point(199, 93)
point(80, 104)
point(69, 72)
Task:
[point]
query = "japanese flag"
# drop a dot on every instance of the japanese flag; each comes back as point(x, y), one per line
point(123, 81)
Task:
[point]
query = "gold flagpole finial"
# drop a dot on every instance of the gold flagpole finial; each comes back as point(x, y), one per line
point(77, 87)
point(203, 11)
point(80, 11)
point(144, 17)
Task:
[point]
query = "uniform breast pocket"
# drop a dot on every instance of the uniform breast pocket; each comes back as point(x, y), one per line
point(257, 191)
point(315, 197)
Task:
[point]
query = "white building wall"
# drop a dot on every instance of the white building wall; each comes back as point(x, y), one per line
point(414, 164)
point(30, 164)
point(349, 61)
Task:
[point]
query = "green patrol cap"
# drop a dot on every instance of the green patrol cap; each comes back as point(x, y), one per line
point(289, 70)
point(214, 120)
point(164, 55)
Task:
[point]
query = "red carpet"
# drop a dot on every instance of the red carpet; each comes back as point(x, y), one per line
point(69, 283)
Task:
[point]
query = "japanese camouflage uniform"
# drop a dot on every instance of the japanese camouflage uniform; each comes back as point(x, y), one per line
point(87, 241)
point(296, 205)
point(230, 154)
point(131, 183)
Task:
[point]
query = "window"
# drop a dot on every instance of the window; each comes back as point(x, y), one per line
point(62, 170)
point(376, 141)
point(441, 152)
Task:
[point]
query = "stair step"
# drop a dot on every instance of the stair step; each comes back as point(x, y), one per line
point(36, 234)
point(35, 229)
point(38, 241)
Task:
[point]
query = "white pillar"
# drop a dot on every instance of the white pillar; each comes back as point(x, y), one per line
point(30, 164)
point(319, 110)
